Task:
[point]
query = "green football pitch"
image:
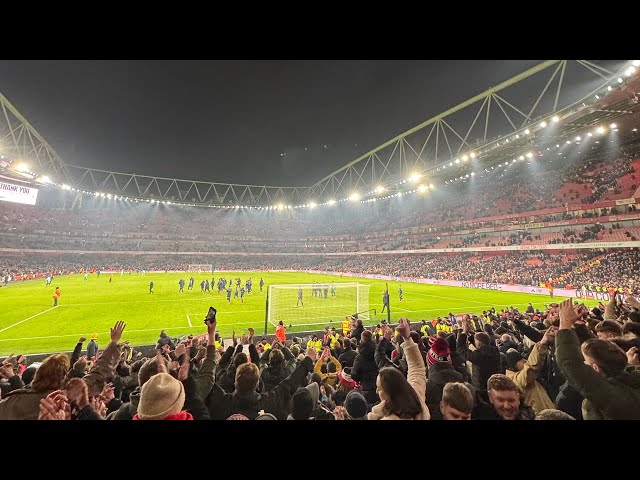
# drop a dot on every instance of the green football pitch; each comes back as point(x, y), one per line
point(30, 324)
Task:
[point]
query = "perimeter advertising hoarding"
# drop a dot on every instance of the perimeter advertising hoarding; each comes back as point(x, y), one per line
point(10, 192)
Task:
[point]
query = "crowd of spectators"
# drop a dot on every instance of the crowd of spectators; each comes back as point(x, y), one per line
point(564, 363)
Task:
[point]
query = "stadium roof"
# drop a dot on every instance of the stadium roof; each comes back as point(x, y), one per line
point(503, 122)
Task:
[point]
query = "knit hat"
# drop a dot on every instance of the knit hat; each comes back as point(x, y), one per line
point(346, 380)
point(237, 416)
point(355, 404)
point(161, 396)
point(439, 352)
point(513, 357)
point(302, 404)
point(94, 336)
point(266, 416)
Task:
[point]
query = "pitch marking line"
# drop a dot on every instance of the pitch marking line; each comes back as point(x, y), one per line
point(22, 321)
point(189, 320)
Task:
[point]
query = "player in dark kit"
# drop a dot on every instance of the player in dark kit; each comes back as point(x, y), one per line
point(229, 294)
point(242, 294)
point(150, 287)
point(191, 282)
point(202, 286)
point(300, 297)
point(181, 285)
point(206, 286)
point(385, 300)
point(400, 292)
point(261, 284)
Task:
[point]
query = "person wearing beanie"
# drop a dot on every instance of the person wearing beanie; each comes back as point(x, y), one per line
point(355, 406)
point(440, 372)
point(525, 372)
point(162, 398)
point(439, 352)
point(402, 398)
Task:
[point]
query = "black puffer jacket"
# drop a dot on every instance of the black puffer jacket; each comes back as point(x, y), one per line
point(486, 359)
point(439, 374)
point(365, 371)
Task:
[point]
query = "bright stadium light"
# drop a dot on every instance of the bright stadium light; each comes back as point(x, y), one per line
point(589, 134)
point(521, 157)
point(380, 189)
point(472, 155)
point(331, 202)
point(612, 126)
point(312, 204)
point(543, 124)
point(280, 206)
point(22, 167)
point(431, 186)
point(609, 88)
point(464, 158)
point(620, 80)
point(568, 142)
point(630, 71)
point(102, 195)
point(472, 174)
point(600, 130)
point(66, 187)
point(414, 177)
point(527, 131)
point(555, 119)
point(457, 160)
point(451, 164)
point(422, 188)
point(529, 154)
point(355, 196)
point(636, 63)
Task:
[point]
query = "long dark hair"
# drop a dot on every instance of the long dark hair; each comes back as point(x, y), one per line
point(403, 400)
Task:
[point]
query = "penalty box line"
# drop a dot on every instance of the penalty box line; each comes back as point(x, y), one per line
point(22, 321)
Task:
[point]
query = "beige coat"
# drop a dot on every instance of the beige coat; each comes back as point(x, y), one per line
point(534, 394)
point(417, 378)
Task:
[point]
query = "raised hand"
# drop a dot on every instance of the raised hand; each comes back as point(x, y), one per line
point(339, 413)
point(183, 372)
point(549, 336)
point(6, 371)
point(632, 302)
point(180, 350)
point(202, 351)
point(633, 356)
point(77, 392)
point(404, 328)
point(81, 364)
point(99, 406)
point(568, 315)
point(54, 406)
point(116, 331)
point(162, 366)
point(82, 339)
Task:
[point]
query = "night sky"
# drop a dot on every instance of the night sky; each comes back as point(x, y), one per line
point(230, 121)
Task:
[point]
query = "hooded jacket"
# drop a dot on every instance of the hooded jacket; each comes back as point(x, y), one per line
point(486, 359)
point(534, 394)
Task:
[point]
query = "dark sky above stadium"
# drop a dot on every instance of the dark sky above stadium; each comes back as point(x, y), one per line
point(231, 121)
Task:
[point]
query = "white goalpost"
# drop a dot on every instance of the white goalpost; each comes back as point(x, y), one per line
point(201, 268)
point(321, 304)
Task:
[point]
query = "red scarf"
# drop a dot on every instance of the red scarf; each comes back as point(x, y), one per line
point(175, 416)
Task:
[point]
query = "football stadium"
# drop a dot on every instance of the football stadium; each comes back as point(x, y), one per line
point(482, 264)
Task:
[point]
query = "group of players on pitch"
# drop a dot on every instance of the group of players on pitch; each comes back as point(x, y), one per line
point(206, 287)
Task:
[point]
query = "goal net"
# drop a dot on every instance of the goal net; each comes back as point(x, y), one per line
point(321, 304)
point(201, 268)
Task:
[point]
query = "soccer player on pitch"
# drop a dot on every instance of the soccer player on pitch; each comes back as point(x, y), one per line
point(333, 290)
point(191, 282)
point(400, 292)
point(56, 296)
point(261, 284)
point(300, 297)
point(385, 301)
point(181, 284)
point(151, 286)
point(229, 294)
point(242, 294)
point(202, 286)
